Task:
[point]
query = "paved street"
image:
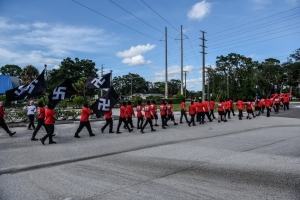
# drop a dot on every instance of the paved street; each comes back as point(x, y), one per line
point(247, 159)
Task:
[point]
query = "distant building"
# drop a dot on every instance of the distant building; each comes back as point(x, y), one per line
point(8, 82)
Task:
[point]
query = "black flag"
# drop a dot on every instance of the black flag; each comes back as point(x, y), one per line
point(105, 103)
point(64, 90)
point(98, 82)
point(35, 88)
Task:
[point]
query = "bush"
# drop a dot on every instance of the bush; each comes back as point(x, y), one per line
point(79, 101)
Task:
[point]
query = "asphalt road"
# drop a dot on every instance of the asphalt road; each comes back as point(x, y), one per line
point(247, 159)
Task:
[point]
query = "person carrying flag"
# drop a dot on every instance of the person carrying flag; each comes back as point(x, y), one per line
point(192, 112)
point(2, 121)
point(139, 115)
point(41, 118)
point(123, 118)
point(84, 121)
point(148, 115)
point(183, 112)
point(31, 109)
point(109, 121)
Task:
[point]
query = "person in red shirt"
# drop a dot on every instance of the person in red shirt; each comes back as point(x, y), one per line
point(249, 108)
point(257, 107)
point(183, 112)
point(123, 118)
point(268, 104)
point(240, 105)
point(148, 115)
point(200, 112)
point(286, 102)
point(130, 113)
point(84, 121)
point(263, 104)
point(212, 108)
point(206, 110)
point(163, 114)
point(109, 121)
point(276, 103)
point(41, 118)
point(139, 115)
point(2, 121)
point(49, 123)
point(221, 111)
point(227, 108)
point(231, 106)
point(192, 112)
point(153, 110)
point(170, 113)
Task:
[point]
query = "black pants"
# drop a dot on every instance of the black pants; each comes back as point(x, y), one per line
point(31, 121)
point(84, 124)
point(240, 114)
point(208, 116)
point(50, 129)
point(163, 120)
point(232, 110)
point(200, 117)
point(263, 109)
point(4, 126)
point(129, 121)
point(277, 108)
point(212, 114)
point(109, 122)
point(286, 106)
point(39, 125)
point(140, 122)
point(148, 120)
point(268, 112)
point(227, 112)
point(122, 119)
point(192, 120)
point(183, 114)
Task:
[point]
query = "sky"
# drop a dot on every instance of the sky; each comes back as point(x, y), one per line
point(128, 36)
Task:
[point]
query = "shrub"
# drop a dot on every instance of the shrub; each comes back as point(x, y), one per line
point(79, 101)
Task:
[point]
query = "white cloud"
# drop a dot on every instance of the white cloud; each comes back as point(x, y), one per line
point(199, 10)
point(135, 61)
point(56, 67)
point(134, 51)
point(251, 56)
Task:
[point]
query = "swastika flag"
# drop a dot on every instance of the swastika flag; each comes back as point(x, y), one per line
point(33, 89)
point(61, 92)
point(105, 103)
point(98, 82)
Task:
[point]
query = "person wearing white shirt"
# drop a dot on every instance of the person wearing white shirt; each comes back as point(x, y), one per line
point(31, 109)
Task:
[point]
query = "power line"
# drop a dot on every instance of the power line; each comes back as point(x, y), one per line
point(112, 19)
point(159, 15)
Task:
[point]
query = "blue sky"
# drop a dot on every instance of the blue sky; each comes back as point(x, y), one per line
point(128, 35)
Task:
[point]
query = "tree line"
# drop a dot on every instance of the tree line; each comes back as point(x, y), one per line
point(234, 76)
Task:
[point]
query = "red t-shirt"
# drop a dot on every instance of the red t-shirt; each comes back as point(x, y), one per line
point(285, 99)
point(199, 107)
point(147, 110)
point(85, 113)
point(163, 109)
point(228, 105)
point(240, 104)
point(263, 102)
point(130, 110)
point(231, 104)
point(41, 111)
point(249, 105)
point(108, 114)
point(220, 107)
point(192, 109)
point(122, 112)
point(277, 101)
point(153, 109)
point(212, 105)
point(49, 116)
point(182, 106)
point(169, 109)
point(139, 109)
point(268, 103)
point(205, 105)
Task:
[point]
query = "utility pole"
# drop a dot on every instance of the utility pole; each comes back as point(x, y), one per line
point(181, 50)
point(102, 70)
point(208, 94)
point(131, 85)
point(166, 70)
point(111, 80)
point(203, 64)
point(227, 78)
point(185, 81)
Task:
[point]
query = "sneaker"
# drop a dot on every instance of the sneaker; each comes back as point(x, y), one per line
point(102, 130)
point(34, 139)
point(155, 124)
point(76, 136)
point(225, 120)
point(111, 132)
point(175, 124)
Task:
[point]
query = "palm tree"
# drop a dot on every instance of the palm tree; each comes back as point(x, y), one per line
point(28, 74)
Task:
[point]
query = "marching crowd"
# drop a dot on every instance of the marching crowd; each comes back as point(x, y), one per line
point(148, 114)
